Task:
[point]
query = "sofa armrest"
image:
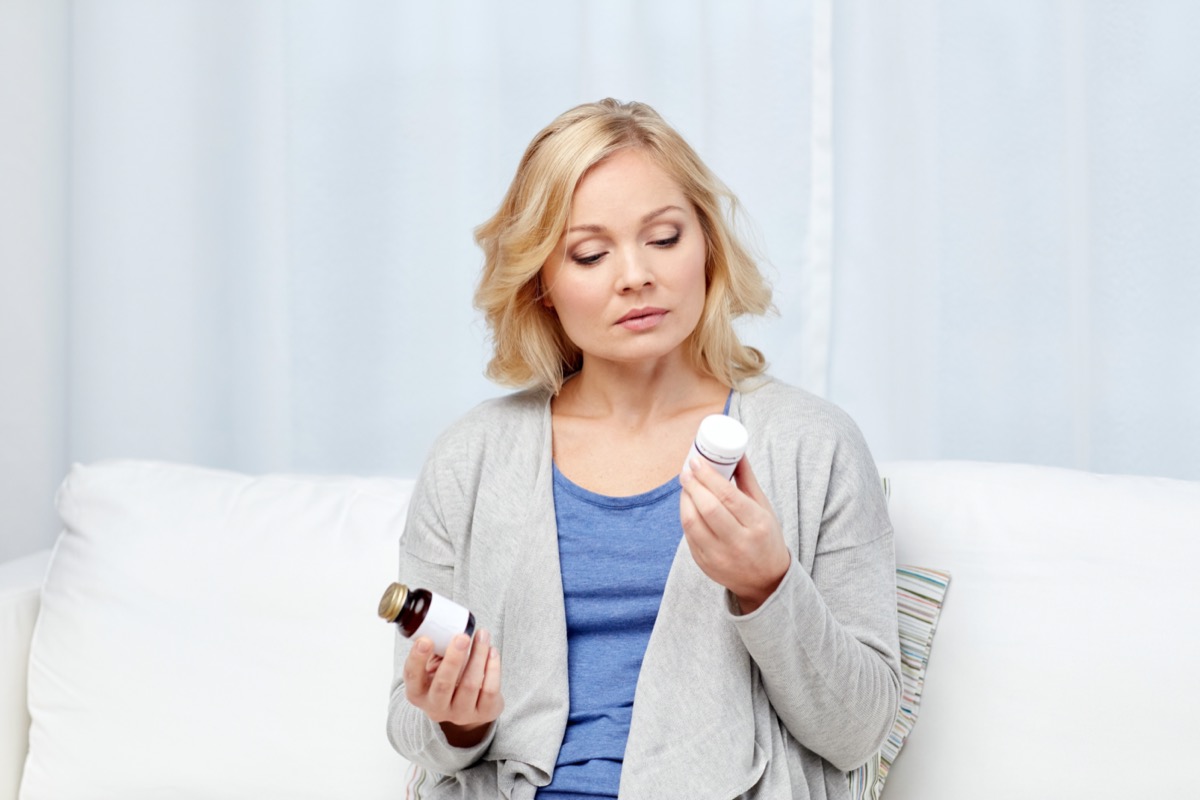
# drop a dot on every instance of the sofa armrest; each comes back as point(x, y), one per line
point(20, 597)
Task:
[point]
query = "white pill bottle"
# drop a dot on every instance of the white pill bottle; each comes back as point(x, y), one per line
point(721, 441)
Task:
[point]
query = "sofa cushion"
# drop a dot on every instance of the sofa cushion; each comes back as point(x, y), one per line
point(20, 593)
point(1066, 654)
point(213, 635)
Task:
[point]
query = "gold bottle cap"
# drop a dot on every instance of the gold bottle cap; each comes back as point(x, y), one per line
point(392, 601)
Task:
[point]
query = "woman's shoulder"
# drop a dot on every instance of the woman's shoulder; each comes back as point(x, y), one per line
point(771, 403)
point(797, 425)
point(517, 408)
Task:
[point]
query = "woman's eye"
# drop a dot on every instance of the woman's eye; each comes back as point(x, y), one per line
point(668, 242)
point(588, 260)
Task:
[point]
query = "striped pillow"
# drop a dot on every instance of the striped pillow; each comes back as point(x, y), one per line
point(919, 596)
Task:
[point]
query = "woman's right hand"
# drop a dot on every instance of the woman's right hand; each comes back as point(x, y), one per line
point(461, 690)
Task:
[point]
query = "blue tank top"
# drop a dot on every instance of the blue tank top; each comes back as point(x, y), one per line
point(615, 554)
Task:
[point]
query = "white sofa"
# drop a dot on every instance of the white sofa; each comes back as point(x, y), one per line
point(202, 634)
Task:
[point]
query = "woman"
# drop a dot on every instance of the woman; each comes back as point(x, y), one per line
point(666, 635)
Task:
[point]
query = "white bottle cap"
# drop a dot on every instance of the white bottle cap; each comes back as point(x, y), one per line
point(721, 439)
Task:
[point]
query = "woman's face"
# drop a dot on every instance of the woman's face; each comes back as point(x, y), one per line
point(627, 278)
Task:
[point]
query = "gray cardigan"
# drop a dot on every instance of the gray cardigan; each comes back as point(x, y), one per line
point(778, 703)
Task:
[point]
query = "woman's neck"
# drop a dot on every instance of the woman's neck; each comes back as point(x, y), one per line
point(637, 394)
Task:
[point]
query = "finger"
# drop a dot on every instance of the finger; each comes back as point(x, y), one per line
point(745, 500)
point(716, 499)
point(715, 482)
point(490, 699)
point(417, 676)
point(747, 481)
point(699, 536)
point(471, 682)
point(441, 691)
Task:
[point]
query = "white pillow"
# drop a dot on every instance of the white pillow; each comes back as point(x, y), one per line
point(1068, 642)
point(205, 634)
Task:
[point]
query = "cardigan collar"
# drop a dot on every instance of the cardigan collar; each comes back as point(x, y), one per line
point(696, 705)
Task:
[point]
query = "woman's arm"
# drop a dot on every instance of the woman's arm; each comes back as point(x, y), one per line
point(826, 642)
point(426, 688)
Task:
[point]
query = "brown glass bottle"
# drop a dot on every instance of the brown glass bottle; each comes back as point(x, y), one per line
point(420, 612)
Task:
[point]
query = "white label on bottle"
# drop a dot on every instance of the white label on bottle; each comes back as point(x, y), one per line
point(725, 470)
point(444, 620)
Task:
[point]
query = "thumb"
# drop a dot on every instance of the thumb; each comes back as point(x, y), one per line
point(743, 474)
point(418, 676)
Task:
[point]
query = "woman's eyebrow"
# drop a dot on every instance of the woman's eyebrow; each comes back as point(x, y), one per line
point(645, 219)
point(662, 210)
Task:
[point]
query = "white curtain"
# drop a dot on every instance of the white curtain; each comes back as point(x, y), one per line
point(1017, 236)
point(239, 233)
point(254, 249)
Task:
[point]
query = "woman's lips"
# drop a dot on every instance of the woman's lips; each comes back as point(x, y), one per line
point(642, 319)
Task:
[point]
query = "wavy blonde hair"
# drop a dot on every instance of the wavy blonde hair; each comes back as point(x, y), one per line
point(530, 346)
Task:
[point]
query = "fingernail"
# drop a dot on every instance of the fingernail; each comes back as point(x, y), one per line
point(485, 638)
point(424, 646)
point(462, 642)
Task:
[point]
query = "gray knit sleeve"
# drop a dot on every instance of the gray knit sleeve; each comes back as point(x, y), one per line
point(826, 641)
point(427, 560)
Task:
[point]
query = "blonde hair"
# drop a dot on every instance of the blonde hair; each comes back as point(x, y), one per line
point(530, 346)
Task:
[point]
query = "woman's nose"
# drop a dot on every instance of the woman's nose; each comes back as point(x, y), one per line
point(634, 272)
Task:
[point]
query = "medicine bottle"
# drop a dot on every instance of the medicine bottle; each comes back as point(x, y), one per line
point(721, 441)
point(420, 612)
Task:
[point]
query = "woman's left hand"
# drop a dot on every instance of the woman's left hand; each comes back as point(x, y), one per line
point(733, 533)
